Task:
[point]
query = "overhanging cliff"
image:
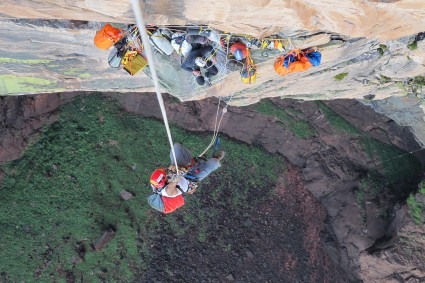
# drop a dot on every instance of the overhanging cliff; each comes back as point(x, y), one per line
point(370, 50)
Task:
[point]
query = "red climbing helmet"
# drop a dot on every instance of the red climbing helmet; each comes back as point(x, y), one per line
point(158, 178)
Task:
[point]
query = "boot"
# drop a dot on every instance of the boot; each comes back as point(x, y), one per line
point(219, 155)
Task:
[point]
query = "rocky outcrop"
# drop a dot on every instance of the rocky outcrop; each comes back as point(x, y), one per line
point(399, 257)
point(59, 55)
point(371, 51)
point(373, 19)
point(330, 163)
point(22, 117)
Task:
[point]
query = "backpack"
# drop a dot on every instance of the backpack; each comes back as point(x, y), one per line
point(107, 36)
point(180, 44)
point(165, 204)
point(161, 43)
point(294, 61)
point(133, 62)
point(249, 72)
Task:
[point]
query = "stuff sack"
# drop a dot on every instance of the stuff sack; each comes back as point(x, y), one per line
point(314, 57)
point(115, 58)
point(155, 201)
point(293, 62)
point(249, 72)
point(165, 204)
point(161, 43)
point(133, 62)
point(249, 76)
point(193, 38)
point(180, 44)
point(107, 36)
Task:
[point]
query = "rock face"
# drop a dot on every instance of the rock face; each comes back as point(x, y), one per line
point(331, 165)
point(22, 117)
point(366, 40)
point(373, 19)
point(399, 258)
point(371, 51)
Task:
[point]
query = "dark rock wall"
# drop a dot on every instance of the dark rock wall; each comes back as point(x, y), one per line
point(23, 116)
point(331, 163)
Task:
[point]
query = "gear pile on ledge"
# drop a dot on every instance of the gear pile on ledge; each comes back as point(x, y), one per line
point(202, 51)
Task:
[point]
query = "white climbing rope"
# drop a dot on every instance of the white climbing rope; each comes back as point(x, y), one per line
point(224, 110)
point(217, 125)
point(141, 24)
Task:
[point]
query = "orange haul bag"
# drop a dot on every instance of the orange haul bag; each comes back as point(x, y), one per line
point(300, 64)
point(107, 36)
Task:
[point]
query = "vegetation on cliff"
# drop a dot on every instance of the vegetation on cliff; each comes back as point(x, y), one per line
point(64, 193)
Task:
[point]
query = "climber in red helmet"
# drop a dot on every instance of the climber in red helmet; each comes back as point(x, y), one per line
point(239, 50)
point(169, 189)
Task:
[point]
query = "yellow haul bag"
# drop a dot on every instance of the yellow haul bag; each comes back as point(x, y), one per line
point(133, 62)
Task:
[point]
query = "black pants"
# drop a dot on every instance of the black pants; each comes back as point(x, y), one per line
point(211, 70)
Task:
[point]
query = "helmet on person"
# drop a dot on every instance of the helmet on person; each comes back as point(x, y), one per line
point(158, 178)
point(238, 54)
point(200, 62)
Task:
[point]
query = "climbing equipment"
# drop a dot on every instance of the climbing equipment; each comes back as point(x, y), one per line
point(107, 36)
point(293, 62)
point(160, 43)
point(141, 24)
point(216, 126)
point(249, 72)
point(133, 62)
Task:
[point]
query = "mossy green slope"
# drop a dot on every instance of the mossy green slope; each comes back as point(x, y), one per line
point(59, 198)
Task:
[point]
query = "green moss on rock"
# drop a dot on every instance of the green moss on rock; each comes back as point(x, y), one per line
point(341, 76)
point(10, 84)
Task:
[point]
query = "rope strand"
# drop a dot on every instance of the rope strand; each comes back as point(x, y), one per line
point(141, 24)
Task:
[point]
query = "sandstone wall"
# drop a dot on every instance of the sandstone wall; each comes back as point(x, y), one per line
point(356, 18)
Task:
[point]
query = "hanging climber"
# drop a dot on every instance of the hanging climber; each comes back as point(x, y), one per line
point(169, 189)
point(239, 50)
point(202, 57)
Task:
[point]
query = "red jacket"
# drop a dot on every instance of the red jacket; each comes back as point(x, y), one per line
point(171, 204)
